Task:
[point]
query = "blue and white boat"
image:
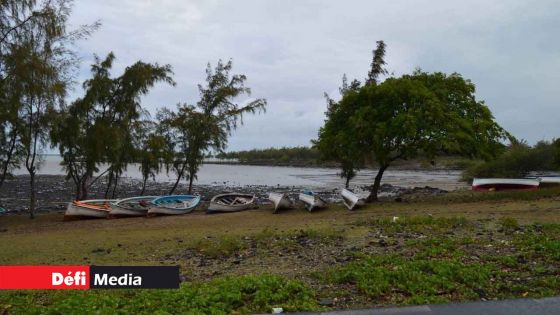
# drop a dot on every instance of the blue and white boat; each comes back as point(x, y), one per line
point(174, 204)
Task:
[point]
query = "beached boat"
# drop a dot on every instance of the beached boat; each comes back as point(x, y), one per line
point(311, 200)
point(280, 201)
point(135, 206)
point(231, 203)
point(174, 204)
point(548, 181)
point(95, 208)
point(351, 200)
point(500, 184)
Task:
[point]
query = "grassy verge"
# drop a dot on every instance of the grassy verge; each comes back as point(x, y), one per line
point(334, 259)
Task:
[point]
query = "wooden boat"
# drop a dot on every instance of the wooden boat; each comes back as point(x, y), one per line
point(174, 204)
point(351, 200)
point(311, 200)
point(135, 206)
point(231, 203)
point(548, 181)
point(500, 184)
point(280, 201)
point(95, 208)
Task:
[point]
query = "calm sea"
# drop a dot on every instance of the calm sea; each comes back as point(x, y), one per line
point(242, 175)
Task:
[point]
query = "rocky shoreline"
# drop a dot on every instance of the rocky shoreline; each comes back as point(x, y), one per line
point(54, 192)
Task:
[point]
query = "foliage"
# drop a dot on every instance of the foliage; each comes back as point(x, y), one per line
point(518, 160)
point(102, 125)
point(36, 65)
point(196, 130)
point(284, 155)
point(240, 295)
point(402, 118)
point(420, 281)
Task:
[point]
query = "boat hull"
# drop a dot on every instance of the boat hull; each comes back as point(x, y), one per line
point(280, 201)
point(158, 206)
point(217, 206)
point(312, 202)
point(549, 181)
point(504, 184)
point(135, 206)
point(76, 211)
point(351, 200)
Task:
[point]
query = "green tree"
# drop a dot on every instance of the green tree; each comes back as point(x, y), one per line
point(153, 152)
point(401, 118)
point(197, 130)
point(102, 125)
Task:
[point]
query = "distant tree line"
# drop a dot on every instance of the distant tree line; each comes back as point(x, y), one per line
point(518, 160)
point(280, 156)
point(107, 126)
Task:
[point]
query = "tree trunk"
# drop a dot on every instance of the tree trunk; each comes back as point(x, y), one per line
point(109, 184)
point(178, 179)
point(144, 186)
point(376, 184)
point(115, 187)
point(33, 197)
point(84, 193)
point(347, 182)
point(8, 160)
point(191, 178)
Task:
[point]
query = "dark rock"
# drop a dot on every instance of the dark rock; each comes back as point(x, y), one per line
point(326, 302)
point(383, 243)
point(98, 250)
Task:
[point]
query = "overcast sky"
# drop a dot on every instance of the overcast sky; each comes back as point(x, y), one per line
point(294, 51)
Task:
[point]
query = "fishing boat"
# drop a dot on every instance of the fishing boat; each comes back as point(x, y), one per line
point(174, 204)
point(548, 181)
point(500, 184)
point(351, 200)
point(95, 208)
point(280, 201)
point(135, 206)
point(231, 203)
point(311, 200)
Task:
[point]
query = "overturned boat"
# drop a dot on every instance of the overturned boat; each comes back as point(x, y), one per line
point(95, 208)
point(174, 204)
point(135, 206)
point(280, 201)
point(503, 184)
point(231, 203)
point(311, 200)
point(548, 181)
point(351, 200)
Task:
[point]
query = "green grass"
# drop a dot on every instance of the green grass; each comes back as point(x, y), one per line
point(244, 295)
point(413, 281)
point(473, 196)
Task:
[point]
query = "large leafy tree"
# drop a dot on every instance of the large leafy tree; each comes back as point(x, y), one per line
point(196, 130)
point(101, 127)
point(418, 115)
point(339, 143)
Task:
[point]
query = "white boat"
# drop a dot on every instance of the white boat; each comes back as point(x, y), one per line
point(95, 208)
point(135, 206)
point(174, 204)
point(351, 200)
point(280, 201)
point(311, 200)
point(231, 203)
point(499, 184)
point(548, 181)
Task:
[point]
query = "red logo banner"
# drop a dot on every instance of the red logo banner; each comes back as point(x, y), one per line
point(45, 277)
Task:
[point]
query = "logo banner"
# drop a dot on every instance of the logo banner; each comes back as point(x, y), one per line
point(89, 277)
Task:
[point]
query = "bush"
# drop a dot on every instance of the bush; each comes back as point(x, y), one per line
point(518, 161)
